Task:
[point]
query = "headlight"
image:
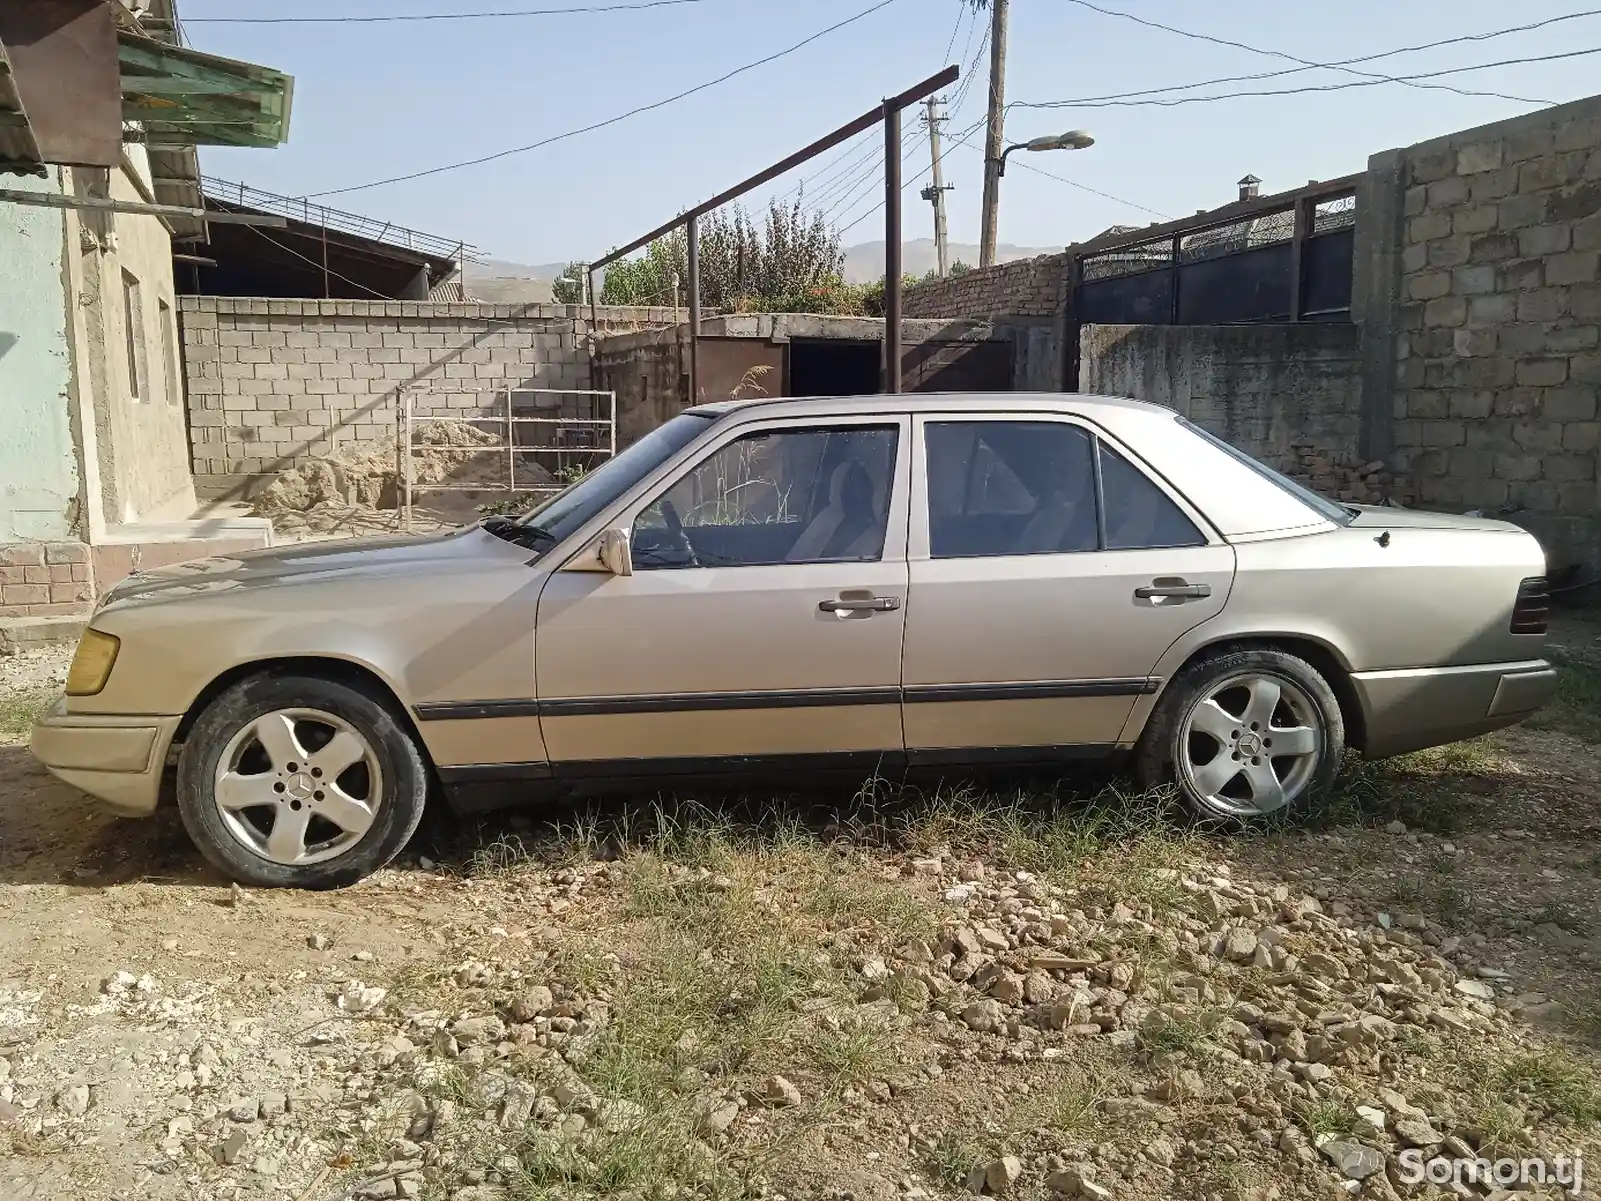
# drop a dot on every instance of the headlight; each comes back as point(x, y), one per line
point(91, 665)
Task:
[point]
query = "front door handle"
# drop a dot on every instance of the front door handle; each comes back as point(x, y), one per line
point(1177, 589)
point(860, 604)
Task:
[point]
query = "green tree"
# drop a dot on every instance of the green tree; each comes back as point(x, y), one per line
point(790, 262)
point(568, 287)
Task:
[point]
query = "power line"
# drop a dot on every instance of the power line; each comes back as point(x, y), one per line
point(1344, 62)
point(634, 112)
point(961, 140)
point(1086, 188)
point(905, 183)
point(1171, 102)
point(305, 258)
point(632, 6)
point(853, 188)
point(839, 166)
point(1409, 80)
point(962, 12)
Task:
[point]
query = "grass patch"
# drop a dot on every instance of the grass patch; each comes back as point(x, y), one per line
point(19, 712)
point(1324, 1117)
point(1563, 917)
point(1423, 789)
point(1439, 895)
point(1178, 1032)
point(1071, 1106)
point(1576, 707)
point(1503, 1096)
point(954, 1154)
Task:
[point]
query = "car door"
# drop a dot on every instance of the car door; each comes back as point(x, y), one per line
point(762, 621)
point(1049, 571)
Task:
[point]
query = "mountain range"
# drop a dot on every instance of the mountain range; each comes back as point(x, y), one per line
point(499, 281)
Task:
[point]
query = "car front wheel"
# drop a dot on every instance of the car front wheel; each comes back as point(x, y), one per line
point(299, 782)
point(1244, 734)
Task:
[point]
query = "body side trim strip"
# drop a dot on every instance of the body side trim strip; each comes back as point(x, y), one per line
point(809, 698)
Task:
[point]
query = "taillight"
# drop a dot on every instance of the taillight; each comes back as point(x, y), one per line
point(1532, 610)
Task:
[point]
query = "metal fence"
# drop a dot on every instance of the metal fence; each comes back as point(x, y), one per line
point(544, 440)
point(1285, 258)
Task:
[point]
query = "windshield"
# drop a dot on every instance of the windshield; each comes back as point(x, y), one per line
point(1322, 505)
point(568, 510)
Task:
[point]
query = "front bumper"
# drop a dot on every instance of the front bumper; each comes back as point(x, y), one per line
point(117, 760)
point(1413, 708)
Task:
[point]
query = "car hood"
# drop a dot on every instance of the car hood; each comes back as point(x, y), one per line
point(317, 561)
point(1385, 516)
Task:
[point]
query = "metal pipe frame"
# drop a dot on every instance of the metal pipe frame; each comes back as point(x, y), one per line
point(888, 113)
point(98, 204)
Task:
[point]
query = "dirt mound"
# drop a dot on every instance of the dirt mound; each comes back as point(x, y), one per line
point(366, 474)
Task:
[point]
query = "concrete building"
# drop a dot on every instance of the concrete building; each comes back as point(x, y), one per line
point(94, 438)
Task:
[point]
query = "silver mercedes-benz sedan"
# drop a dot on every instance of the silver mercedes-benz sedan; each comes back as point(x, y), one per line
point(764, 588)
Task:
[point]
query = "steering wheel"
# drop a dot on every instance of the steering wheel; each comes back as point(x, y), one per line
point(675, 529)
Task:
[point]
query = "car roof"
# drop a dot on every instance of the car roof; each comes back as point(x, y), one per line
point(1077, 402)
point(1239, 501)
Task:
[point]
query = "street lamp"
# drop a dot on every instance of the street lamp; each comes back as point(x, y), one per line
point(1073, 139)
point(995, 167)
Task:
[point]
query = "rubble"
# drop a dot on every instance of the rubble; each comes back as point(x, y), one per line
point(1339, 476)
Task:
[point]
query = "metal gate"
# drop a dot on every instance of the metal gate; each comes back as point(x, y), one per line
point(1281, 258)
point(575, 434)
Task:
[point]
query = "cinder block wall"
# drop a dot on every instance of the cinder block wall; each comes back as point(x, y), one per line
point(270, 382)
point(1024, 288)
point(1493, 358)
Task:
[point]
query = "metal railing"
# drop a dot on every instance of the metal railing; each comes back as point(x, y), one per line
point(301, 209)
point(575, 438)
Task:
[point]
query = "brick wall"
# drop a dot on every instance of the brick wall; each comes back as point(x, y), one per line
point(269, 382)
point(1497, 302)
point(45, 579)
point(1024, 288)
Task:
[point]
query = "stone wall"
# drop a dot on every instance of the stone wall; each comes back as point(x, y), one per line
point(1271, 390)
point(1024, 288)
point(271, 382)
point(1486, 319)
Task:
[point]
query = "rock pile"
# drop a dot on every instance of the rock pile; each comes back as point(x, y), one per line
point(1339, 476)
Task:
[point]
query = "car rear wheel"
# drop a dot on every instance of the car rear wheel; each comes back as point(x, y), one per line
point(1244, 735)
point(299, 782)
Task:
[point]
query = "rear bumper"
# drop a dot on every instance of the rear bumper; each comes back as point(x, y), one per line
point(117, 760)
point(1413, 708)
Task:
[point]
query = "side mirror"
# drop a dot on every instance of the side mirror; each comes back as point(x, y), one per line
point(615, 551)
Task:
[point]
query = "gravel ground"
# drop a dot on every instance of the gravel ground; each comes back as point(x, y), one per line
point(895, 997)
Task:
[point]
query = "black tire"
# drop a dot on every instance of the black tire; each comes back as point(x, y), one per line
point(401, 801)
point(1157, 754)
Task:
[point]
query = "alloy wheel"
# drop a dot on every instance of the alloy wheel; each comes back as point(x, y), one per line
point(1250, 745)
point(298, 786)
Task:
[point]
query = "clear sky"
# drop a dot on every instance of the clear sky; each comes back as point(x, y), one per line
point(378, 100)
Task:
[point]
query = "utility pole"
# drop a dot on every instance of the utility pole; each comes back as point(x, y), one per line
point(994, 137)
point(935, 192)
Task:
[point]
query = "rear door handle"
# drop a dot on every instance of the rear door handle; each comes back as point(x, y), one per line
point(860, 604)
point(1185, 591)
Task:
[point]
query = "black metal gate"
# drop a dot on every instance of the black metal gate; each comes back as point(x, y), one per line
point(1283, 258)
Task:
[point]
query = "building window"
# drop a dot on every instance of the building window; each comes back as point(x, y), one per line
point(133, 334)
point(169, 352)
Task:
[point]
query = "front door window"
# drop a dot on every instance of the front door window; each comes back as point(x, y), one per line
point(785, 496)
